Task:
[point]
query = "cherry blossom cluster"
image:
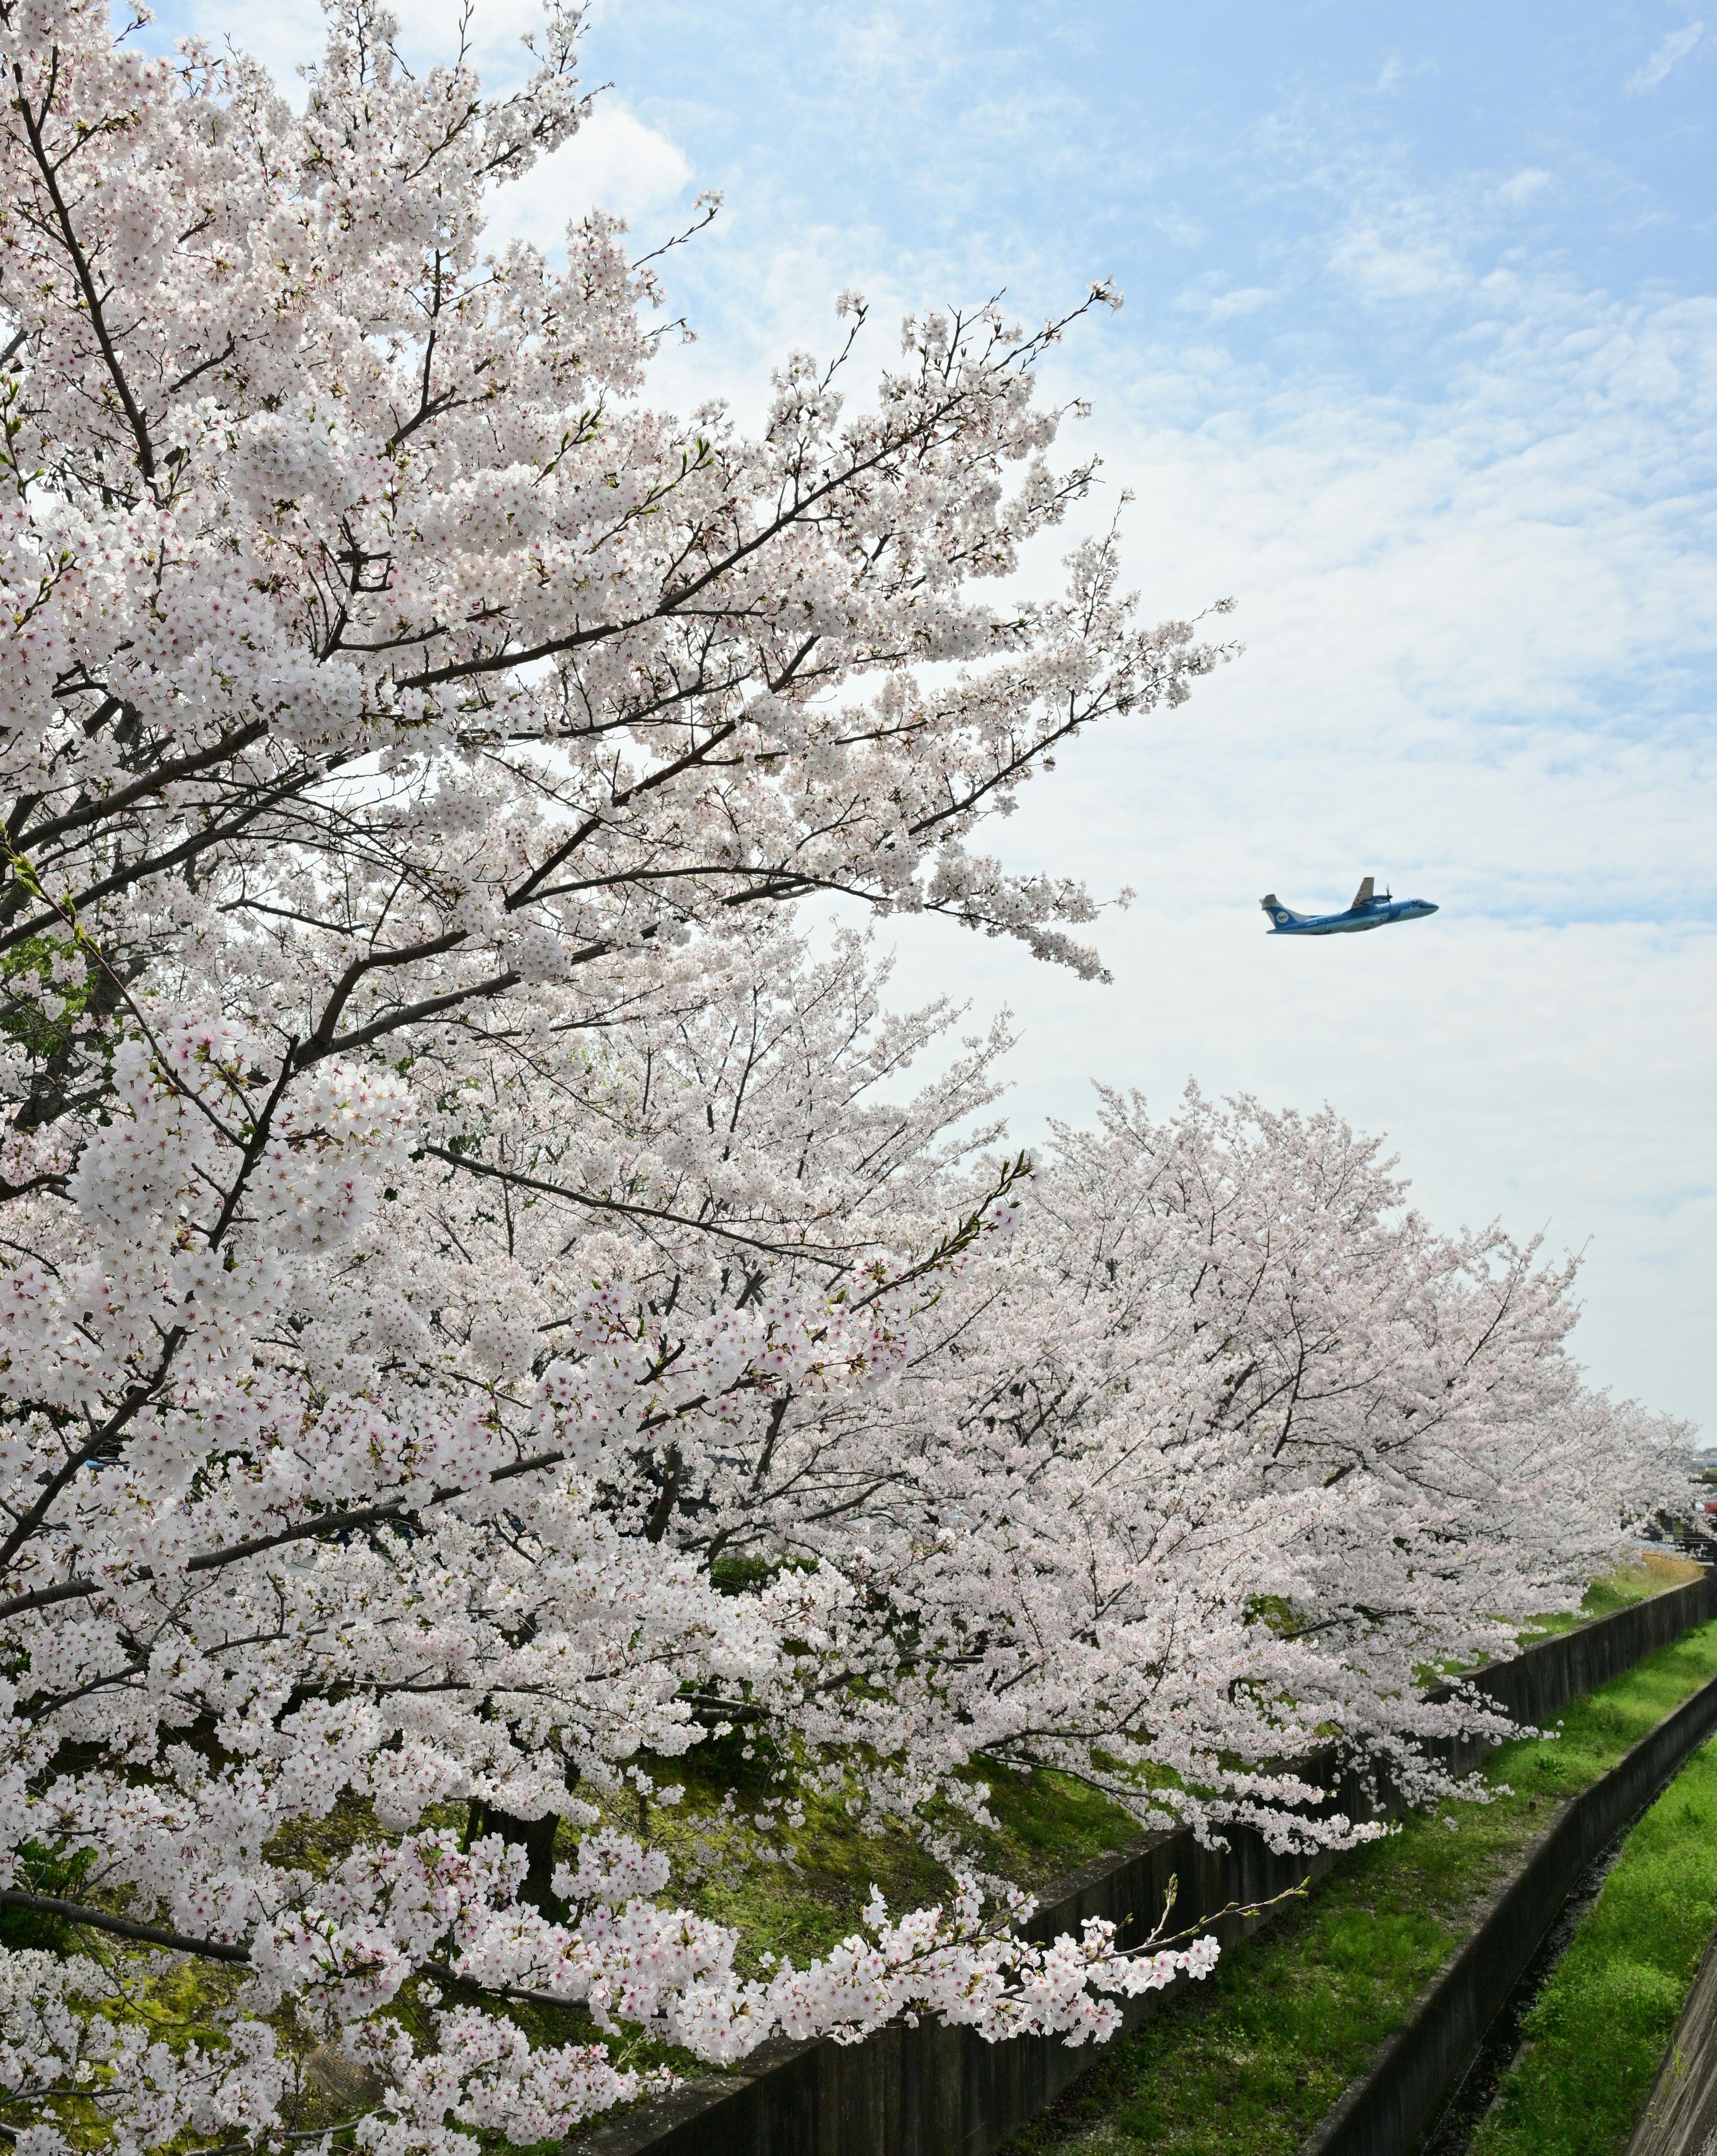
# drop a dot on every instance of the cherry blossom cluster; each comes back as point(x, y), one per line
point(1224, 1450)
point(486, 1309)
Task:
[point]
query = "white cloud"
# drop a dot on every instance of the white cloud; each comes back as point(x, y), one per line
point(283, 37)
point(1480, 633)
point(1523, 186)
point(1392, 270)
point(1395, 71)
point(613, 163)
point(1175, 226)
point(1216, 305)
point(1675, 47)
point(430, 30)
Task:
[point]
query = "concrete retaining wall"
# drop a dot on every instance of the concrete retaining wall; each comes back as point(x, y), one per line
point(1384, 2112)
point(1680, 2117)
point(937, 2091)
point(1535, 1686)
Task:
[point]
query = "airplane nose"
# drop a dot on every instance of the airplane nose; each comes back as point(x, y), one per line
point(1427, 904)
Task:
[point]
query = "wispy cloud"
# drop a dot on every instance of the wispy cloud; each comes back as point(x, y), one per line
point(1386, 268)
point(1395, 71)
point(1218, 301)
point(1524, 185)
point(1674, 47)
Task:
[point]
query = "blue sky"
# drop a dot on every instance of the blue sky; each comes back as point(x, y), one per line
point(1419, 362)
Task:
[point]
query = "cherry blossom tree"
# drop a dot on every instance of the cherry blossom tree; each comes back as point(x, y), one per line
point(454, 1224)
point(395, 708)
point(1198, 1469)
point(1216, 1458)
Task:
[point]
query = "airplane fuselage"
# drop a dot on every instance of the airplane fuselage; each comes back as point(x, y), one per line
point(1375, 913)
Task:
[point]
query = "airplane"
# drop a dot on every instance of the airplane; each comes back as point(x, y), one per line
point(1367, 911)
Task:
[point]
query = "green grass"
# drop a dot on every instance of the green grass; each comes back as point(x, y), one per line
point(1649, 1574)
point(1247, 2063)
point(1046, 1824)
point(1595, 2036)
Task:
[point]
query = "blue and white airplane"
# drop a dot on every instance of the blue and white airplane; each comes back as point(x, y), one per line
point(1367, 911)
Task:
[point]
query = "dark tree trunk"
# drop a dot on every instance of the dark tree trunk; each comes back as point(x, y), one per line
point(536, 1837)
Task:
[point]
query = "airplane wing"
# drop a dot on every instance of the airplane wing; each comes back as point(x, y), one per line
point(1363, 895)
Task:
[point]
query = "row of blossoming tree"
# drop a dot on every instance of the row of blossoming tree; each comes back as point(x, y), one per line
point(483, 1309)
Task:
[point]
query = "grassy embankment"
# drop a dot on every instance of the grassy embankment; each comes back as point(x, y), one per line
point(1595, 2036)
point(1649, 1572)
point(1246, 2064)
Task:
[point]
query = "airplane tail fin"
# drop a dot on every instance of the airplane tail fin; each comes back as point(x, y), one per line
point(1279, 913)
